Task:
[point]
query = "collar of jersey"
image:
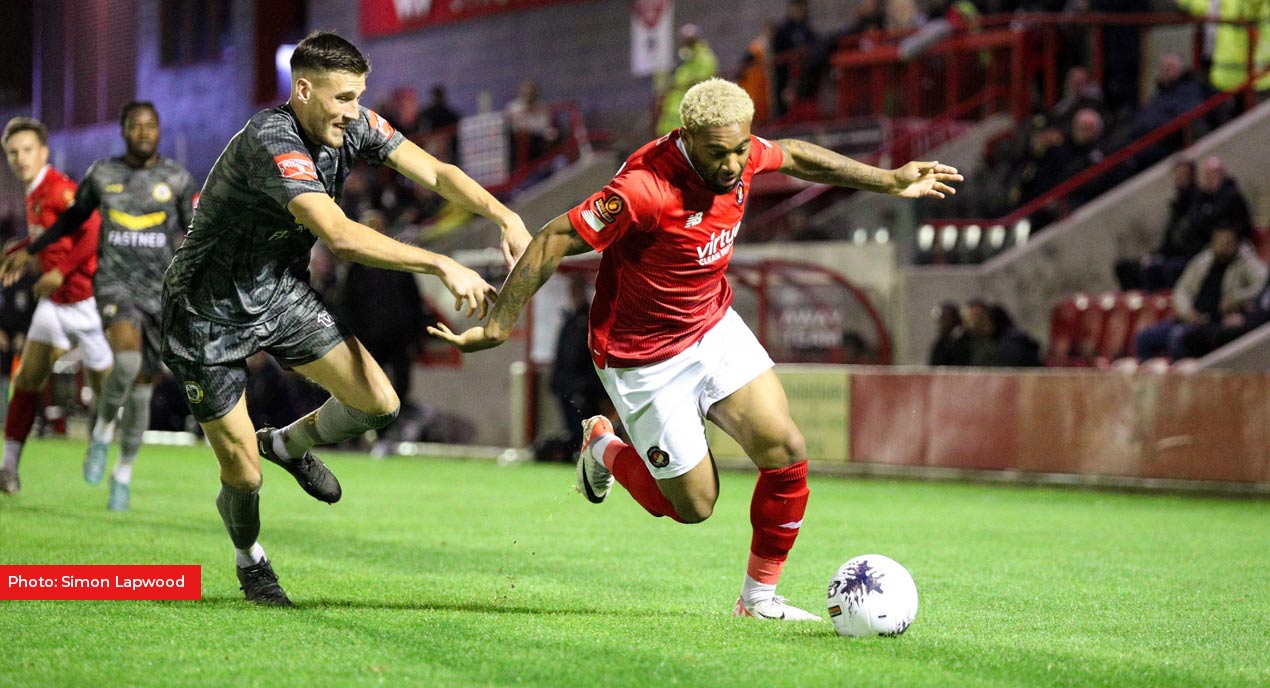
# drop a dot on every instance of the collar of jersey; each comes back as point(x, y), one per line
point(679, 143)
point(39, 177)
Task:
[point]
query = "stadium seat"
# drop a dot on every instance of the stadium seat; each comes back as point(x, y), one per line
point(1117, 324)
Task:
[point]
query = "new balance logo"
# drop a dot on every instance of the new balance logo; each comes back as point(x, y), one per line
point(694, 220)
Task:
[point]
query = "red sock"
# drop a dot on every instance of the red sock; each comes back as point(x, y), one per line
point(776, 513)
point(632, 473)
point(22, 407)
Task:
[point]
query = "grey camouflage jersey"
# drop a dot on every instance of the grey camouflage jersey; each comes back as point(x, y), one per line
point(246, 258)
point(144, 211)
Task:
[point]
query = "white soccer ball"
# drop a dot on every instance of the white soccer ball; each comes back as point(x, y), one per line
point(872, 595)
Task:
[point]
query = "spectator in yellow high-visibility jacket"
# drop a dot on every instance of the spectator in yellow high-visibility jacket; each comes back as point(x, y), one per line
point(1230, 41)
point(697, 63)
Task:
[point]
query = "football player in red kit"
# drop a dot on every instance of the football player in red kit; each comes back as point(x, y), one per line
point(67, 314)
point(665, 341)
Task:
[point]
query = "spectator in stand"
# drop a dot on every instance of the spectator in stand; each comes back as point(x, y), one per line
point(573, 378)
point(1121, 54)
point(1229, 42)
point(402, 110)
point(384, 309)
point(868, 16)
point(438, 114)
point(439, 118)
point(1247, 318)
point(532, 124)
point(1218, 200)
point(994, 339)
point(1222, 280)
point(792, 37)
point(1181, 242)
point(1080, 91)
point(1177, 91)
point(1055, 159)
point(943, 19)
point(754, 76)
point(1014, 347)
point(696, 64)
point(952, 343)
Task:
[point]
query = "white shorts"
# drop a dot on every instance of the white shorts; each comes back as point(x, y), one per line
point(64, 325)
point(664, 405)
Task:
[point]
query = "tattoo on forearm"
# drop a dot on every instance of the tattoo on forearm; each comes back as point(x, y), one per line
point(534, 268)
point(816, 164)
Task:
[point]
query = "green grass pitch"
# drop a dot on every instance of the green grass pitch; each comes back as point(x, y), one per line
point(465, 573)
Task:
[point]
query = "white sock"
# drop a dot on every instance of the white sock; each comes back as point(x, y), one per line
point(12, 450)
point(122, 472)
point(753, 591)
point(280, 447)
point(103, 432)
point(599, 445)
point(250, 557)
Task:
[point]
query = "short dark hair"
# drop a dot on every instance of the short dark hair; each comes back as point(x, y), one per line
point(20, 124)
point(326, 51)
point(126, 111)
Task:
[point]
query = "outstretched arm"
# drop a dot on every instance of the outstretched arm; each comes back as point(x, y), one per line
point(914, 180)
point(556, 240)
point(453, 184)
point(354, 241)
point(66, 223)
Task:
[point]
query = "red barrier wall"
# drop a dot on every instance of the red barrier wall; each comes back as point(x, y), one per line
point(1202, 426)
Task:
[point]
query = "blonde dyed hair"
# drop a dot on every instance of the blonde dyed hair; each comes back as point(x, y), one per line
point(715, 103)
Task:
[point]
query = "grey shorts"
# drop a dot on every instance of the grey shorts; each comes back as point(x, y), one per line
point(115, 308)
point(209, 358)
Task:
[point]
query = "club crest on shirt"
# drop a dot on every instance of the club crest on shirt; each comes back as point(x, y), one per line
point(296, 166)
point(740, 193)
point(658, 457)
point(162, 192)
point(603, 211)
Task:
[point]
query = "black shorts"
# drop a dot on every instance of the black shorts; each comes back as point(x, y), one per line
point(115, 308)
point(209, 359)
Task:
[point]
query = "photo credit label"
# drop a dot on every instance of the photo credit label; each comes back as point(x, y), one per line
point(101, 582)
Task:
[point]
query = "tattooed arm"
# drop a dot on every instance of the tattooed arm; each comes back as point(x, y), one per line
point(816, 164)
point(544, 253)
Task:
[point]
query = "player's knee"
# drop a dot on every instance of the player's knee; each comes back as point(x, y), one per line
point(384, 402)
point(381, 420)
point(783, 448)
point(695, 509)
point(794, 446)
point(241, 478)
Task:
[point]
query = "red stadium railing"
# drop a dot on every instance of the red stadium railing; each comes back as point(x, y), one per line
point(1056, 200)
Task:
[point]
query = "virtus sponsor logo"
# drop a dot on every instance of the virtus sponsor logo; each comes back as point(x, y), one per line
point(719, 245)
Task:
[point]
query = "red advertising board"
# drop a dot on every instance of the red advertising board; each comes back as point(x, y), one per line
point(387, 17)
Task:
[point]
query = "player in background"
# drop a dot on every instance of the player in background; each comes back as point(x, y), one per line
point(665, 341)
point(67, 313)
point(239, 283)
point(145, 202)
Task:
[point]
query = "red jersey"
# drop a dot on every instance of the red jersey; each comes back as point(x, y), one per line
point(666, 240)
point(74, 254)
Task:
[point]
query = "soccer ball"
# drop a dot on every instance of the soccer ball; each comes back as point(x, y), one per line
point(872, 595)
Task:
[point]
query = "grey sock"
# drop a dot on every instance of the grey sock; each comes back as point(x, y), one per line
point(136, 420)
point(331, 423)
point(241, 513)
point(114, 391)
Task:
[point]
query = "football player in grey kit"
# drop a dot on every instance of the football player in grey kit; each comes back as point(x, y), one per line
point(239, 283)
point(146, 203)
